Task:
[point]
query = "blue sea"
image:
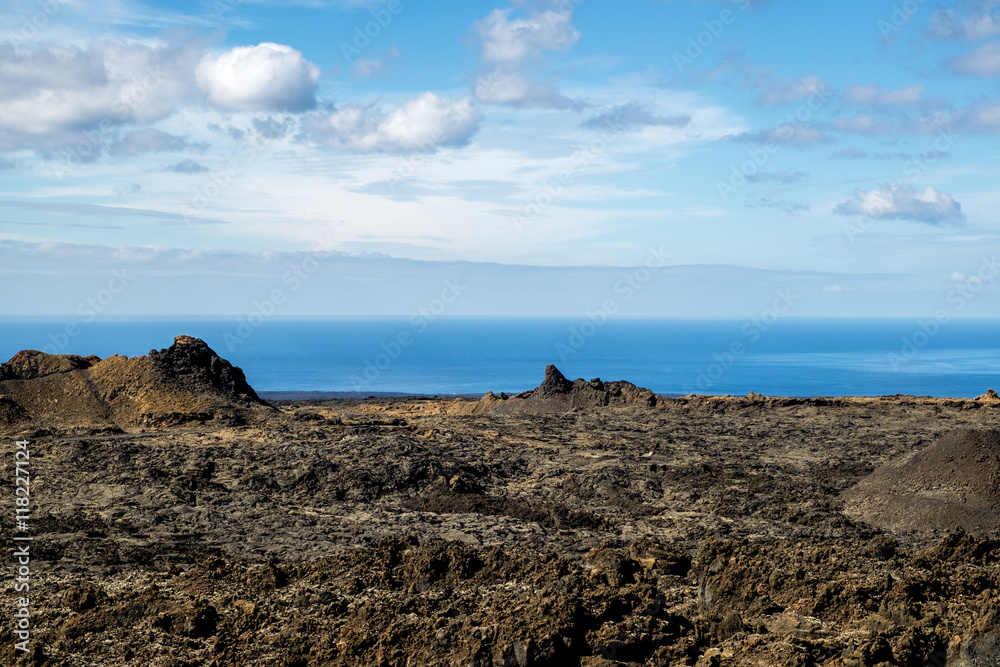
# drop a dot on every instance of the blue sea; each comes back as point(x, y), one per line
point(787, 357)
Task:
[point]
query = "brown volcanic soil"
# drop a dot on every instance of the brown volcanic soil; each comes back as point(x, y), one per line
point(953, 483)
point(187, 382)
point(700, 531)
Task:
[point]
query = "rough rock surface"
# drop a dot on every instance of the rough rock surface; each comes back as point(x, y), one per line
point(954, 483)
point(11, 413)
point(557, 394)
point(990, 396)
point(187, 382)
point(702, 531)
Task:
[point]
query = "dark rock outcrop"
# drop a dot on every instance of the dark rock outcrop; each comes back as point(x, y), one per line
point(558, 394)
point(196, 366)
point(554, 383)
point(183, 383)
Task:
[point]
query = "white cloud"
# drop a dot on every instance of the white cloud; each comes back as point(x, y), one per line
point(981, 118)
point(422, 124)
point(905, 203)
point(510, 42)
point(983, 62)
point(266, 77)
point(793, 91)
point(518, 90)
point(512, 48)
point(50, 95)
point(980, 22)
point(875, 96)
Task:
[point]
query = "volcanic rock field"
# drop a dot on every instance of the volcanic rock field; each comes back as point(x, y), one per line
point(179, 520)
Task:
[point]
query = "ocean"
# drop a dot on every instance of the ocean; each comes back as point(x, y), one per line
point(786, 357)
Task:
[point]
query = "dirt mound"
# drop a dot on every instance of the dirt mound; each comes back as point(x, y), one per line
point(558, 394)
point(32, 364)
point(185, 382)
point(954, 483)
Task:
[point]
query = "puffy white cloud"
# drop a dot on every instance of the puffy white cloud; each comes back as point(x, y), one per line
point(507, 41)
point(905, 203)
point(511, 48)
point(266, 77)
point(983, 62)
point(421, 124)
point(874, 96)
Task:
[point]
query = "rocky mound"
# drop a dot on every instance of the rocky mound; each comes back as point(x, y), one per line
point(954, 483)
point(558, 394)
point(989, 397)
point(185, 382)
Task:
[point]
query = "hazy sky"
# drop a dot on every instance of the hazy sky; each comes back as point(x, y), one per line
point(848, 150)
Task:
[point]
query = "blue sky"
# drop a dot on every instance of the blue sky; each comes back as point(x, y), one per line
point(848, 151)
